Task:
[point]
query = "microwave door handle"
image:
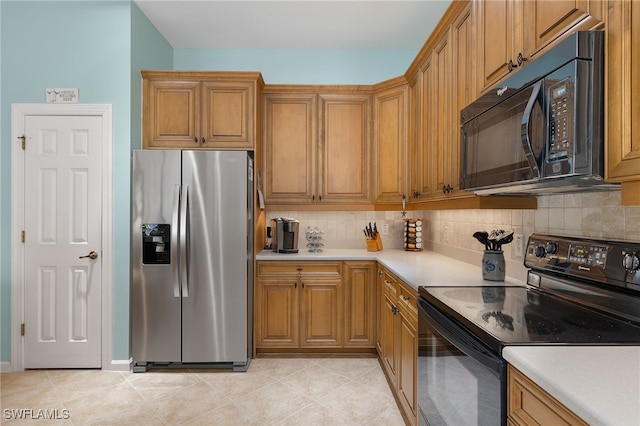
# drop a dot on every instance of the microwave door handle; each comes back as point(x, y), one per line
point(536, 98)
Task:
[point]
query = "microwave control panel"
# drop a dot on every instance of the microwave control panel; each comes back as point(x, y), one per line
point(561, 120)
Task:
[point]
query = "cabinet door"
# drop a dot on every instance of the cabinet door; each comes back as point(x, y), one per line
point(415, 134)
point(464, 86)
point(429, 126)
point(407, 363)
point(441, 150)
point(388, 337)
point(321, 312)
point(390, 144)
point(277, 313)
point(171, 116)
point(290, 145)
point(623, 91)
point(500, 34)
point(344, 148)
point(227, 110)
point(360, 304)
point(548, 20)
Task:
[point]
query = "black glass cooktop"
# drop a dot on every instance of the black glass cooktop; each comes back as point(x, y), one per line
point(523, 315)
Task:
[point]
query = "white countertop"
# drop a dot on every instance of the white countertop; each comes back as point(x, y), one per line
point(600, 384)
point(424, 268)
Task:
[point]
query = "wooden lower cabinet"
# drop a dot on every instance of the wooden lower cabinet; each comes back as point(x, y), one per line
point(397, 343)
point(302, 306)
point(529, 404)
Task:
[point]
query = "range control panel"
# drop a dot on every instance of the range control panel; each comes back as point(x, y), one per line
point(591, 259)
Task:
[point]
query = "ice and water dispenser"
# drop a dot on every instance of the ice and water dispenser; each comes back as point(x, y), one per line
point(156, 244)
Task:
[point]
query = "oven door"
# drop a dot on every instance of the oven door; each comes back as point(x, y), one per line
point(460, 380)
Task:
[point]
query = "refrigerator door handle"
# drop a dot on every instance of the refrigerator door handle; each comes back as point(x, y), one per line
point(184, 223)
point(175, 270)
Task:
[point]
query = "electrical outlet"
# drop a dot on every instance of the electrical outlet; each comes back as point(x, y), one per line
point(446, 234)
point(519, 243)
point(385, 229)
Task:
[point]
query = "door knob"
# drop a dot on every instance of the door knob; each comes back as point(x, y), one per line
point(92, 255)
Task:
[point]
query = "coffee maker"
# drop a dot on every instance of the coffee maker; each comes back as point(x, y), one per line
point(284, 232)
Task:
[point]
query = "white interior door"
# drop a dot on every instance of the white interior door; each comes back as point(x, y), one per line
point(63, 224)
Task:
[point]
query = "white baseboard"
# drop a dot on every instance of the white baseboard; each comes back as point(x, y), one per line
point(120, 365)
point(6, 367)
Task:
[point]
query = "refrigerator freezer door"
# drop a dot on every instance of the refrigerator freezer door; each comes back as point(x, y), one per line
point(155, 309)
point(214, 315)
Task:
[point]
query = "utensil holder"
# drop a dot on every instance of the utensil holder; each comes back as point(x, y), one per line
point(493, 266)
point(413, 240)
point(374, 244)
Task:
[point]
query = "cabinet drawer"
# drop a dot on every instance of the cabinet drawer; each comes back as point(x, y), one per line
point(408, 300)
point(328, 269)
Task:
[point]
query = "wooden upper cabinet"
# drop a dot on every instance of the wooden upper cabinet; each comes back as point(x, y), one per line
point(545, 21)
point(513, 32)
point(500, 39)
point(227, 112)
point(390, 142)
point(316, 147)
point(344, 148)
point(207, 110)
point(290, 147)
point(623, 90)
point(171, 113)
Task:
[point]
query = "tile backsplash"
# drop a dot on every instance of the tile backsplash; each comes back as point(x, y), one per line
point(593, 214)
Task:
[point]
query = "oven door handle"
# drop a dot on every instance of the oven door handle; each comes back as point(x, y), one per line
point(461, 339)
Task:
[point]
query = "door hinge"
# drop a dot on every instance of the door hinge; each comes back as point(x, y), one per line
point(22, 236)
point(22, 329)
point(24, 138)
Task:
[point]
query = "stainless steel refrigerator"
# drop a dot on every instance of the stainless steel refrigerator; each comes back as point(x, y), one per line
point(191, 259)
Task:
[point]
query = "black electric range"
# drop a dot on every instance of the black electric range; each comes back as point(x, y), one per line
point(578, 292)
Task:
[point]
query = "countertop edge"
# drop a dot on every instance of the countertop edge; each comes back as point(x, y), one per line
point(574, 376)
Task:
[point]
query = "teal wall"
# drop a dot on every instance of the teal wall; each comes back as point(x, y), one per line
point(100, 46)
point(87, 45)
point(302, 66)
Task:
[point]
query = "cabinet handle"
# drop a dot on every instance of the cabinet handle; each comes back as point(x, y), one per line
point(313, 198)
point(303, 284)
point(195, 139)
point(406, 297)
point(203, 140)
point(511, 65)
point(416, 194)
point(295, 285)
point(521, 58)
point(320, 198)
point(394, 309)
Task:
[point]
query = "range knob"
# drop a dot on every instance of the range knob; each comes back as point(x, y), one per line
point(630, 261)
point(540, 251)
point(551, 248)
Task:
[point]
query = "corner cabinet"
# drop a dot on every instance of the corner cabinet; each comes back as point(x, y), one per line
point(200, 110)
point(390, 140)
point(397, 342)
point(623, 91)
point(316, 145)
point(314, 306)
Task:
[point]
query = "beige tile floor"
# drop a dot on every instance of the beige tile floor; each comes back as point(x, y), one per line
point(275, 391)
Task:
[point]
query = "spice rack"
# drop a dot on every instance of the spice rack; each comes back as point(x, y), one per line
point(413, 235)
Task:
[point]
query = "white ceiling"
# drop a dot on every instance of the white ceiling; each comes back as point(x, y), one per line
point(295, 24)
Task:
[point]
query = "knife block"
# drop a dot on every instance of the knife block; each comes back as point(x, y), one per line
point(374, 244)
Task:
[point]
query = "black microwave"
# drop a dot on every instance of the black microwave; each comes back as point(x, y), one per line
point(542, 129)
